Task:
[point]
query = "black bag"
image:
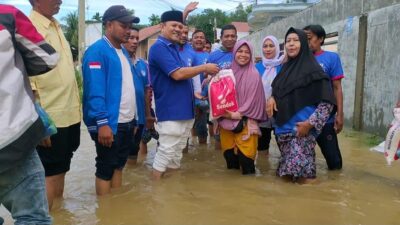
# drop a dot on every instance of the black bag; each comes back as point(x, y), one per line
point(240, 126)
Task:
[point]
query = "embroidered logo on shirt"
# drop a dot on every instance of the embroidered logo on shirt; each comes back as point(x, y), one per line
point(94, 65)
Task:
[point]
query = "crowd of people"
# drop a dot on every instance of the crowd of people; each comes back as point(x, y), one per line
point(294, 93)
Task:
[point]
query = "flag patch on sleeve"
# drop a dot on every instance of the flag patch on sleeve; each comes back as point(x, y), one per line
point(94, 65)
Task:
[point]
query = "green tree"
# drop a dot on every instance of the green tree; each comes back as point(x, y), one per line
point(205, 21)
point(240, 13)
point(97, 17)
point(71, 28)
point(131, 11)
point(154, 19)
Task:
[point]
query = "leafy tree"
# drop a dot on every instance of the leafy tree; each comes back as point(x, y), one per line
point(239, 15)
point(205, 20)
point(154, 19)
point(71, 28)
point(97, 17)
point(131, 11)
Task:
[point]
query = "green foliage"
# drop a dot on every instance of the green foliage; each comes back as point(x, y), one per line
point(205, 20)
point(131, 11)
point(373, 140)
point(71, 28)
point(96, 17)
point(154, 19)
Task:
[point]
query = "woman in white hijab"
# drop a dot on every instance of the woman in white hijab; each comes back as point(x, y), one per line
point(268, 69)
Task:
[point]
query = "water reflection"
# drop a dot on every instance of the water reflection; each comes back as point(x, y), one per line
point(366, 191)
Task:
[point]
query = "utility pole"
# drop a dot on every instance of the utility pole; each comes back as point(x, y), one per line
point(81, 31)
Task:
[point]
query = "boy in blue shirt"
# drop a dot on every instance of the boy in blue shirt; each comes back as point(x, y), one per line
point(173, 93)
point(331, 64)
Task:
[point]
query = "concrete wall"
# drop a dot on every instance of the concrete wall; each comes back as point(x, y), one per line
point(381, 79)
point(382, 71)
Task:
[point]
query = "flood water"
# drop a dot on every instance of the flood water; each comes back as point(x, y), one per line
point(366, 191)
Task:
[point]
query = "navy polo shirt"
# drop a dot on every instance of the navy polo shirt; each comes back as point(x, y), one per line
point(174, 99)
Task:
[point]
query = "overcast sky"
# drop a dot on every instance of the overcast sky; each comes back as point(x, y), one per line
point(143, 8)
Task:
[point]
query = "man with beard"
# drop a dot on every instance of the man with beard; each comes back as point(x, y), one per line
point(109, 98)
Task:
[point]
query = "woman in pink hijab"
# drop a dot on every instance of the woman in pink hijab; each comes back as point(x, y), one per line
point(239, 130)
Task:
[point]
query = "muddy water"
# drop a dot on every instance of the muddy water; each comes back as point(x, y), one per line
point(366, 191)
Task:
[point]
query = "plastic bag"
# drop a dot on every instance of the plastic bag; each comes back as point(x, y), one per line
point(49, 125)
point(392, 142)
point(222, 94)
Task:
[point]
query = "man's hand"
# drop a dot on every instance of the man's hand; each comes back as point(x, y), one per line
point(191, 7)
point(198, 96)
point(46, 142)
point(338, 123)
point(303, 128)
point(211, 68)
point(271, 107)
point(150, 122)
point(106, 137)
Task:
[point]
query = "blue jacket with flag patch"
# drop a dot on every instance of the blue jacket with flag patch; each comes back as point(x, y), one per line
point(102, 85)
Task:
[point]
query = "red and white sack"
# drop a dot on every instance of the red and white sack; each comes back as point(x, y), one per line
point(392, 142)
point(222, 94)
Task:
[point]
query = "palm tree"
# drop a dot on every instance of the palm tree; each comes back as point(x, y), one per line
point(154, 19)
point(71, 28)
point(97, 17)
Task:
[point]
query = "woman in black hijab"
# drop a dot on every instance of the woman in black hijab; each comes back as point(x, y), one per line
point(302, 101)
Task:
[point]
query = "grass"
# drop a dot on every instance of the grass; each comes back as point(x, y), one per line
point(367, 138)
point(373, 139)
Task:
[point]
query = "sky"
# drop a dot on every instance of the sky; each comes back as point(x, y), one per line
point(143, 8)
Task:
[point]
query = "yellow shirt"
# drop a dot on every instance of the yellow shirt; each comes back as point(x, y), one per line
point(57, 90)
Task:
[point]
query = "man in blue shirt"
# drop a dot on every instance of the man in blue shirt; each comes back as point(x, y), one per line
point(223, 56)
point(331, 64)
point(109, 98)
point(173, 93)
point(142, 85)
point(201, 57)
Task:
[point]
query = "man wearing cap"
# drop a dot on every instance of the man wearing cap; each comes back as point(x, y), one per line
point(173, 92)
point(57, 92)
point(109, 98)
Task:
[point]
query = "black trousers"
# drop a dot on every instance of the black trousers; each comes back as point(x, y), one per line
point(329, 145)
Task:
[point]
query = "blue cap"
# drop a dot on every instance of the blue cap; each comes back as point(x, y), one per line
point(119, 13)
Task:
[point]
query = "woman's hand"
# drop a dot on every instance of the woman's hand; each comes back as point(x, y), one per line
point(303, 128)
point(232, 115)
point(271, 106)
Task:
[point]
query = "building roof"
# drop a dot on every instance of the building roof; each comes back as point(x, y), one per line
point(241, 26)
point(148, 32)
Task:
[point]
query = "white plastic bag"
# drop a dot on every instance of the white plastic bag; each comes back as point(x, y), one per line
point(392, 142)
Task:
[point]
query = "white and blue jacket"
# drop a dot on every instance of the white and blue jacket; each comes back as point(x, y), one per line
point(102, 85)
